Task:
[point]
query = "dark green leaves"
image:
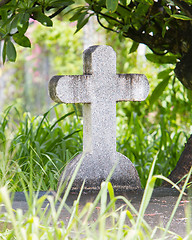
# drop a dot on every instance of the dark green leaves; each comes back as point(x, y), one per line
point(134, 47)
point(10, 51)
point(82, 18)
point(4, 52)
point(112, 5)
point(158, 91)
point(20, 23)
point(165, 75)
point(189, 95)
point(43, 19)
point(22, 40)
point(61, 3)
point(181, 17)
point(22, 26)
point(161, 59)
point(14, 21)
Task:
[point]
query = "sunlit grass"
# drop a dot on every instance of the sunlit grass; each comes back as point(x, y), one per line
point(37, 146)
point(42, 145)
point(140, 141)
point(44, 220)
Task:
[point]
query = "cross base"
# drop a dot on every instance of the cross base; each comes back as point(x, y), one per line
point(95, 169)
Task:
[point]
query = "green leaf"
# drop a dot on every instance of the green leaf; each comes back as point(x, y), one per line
point(3, 14)
point(161, 59)
point(2, 32)
point(149, 1)
point(10, 51)
point(123, 11)
point(15, 21)
point(164, 29)
point(181, 17)
point(164, 74)
point(42, 18)
point(134, 47)
point(77, 15)
point(112, 5)
point(4, 51)
point(22, 26)
point(158, 91)
point(61, 3)
point(168, 10)
point(111, 191)
point(189, 95)
point(22, 40)
point(141, 10)
point(188, 1)
point(83, 19)
point(125, 2)
point(8, 7)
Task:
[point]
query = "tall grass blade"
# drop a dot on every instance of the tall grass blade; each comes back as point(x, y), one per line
point(75, 204)
point(42, 120)
point(60, 119)
point(120, 231)
point(4, 197)
point(177, 203)
point(147, 194)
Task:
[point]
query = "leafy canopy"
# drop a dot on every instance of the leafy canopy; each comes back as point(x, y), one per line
point(165, 26)
point(16, 15)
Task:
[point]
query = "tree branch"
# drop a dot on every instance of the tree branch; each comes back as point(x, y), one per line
point(112, 18)
point(107, 28)
point(57, 12)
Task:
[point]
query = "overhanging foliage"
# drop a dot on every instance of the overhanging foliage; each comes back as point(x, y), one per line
point(165, 26)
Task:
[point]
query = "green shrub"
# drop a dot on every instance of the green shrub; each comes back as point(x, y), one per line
point(140, 141)
point(40, 147)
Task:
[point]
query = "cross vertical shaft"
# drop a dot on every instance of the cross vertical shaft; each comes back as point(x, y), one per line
point(99, 128)
point(99, 117)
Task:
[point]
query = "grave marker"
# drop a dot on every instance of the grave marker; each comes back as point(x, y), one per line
point(99, 88)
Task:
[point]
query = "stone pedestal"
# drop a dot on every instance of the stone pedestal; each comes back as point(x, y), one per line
point(95, 169)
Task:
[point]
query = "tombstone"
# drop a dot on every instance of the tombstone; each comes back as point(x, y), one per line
point(99, 88)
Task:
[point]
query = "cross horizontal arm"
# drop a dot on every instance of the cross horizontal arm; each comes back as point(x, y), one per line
point(70, 89)
point(132, 87)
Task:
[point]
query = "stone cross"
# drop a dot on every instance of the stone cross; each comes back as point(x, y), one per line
point(99, 88)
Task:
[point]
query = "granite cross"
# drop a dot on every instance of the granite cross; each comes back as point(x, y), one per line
point(99, 88)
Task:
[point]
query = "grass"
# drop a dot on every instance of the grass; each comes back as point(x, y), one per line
point(140, 140)
point(43, 145)
point(42, 219)
point(33, 155)
point(37, 146)
point(33, 151)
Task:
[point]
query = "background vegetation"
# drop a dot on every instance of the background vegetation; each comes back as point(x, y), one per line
point(41, 145)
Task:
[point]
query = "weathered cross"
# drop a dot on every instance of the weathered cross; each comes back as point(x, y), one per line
point(99, 88)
